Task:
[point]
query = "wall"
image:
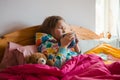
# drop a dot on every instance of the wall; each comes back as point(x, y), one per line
point(16, 14)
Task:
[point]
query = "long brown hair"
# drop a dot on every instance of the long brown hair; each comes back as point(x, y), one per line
point(49, 24)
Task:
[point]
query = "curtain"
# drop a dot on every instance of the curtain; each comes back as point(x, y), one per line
point(107, 17)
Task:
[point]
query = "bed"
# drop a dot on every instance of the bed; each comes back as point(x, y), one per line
point(83, 67)
point(27, 36)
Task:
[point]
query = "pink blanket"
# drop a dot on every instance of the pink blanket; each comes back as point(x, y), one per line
point(82, 67)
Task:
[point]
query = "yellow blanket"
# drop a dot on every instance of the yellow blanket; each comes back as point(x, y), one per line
point(108, 52)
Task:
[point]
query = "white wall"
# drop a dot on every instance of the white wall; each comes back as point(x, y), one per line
point(16, 14)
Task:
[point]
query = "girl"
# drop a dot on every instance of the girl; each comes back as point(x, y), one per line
point(51, 43)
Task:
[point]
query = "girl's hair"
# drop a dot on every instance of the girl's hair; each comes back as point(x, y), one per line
point(49, 24)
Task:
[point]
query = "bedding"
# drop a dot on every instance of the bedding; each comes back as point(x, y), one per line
point(8, 59)
point(22, 53)
point(82, 67)
point(90, 44)
point(16, 54)
point(108, 53)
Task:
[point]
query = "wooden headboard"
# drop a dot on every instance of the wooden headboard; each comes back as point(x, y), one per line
point(27, 36)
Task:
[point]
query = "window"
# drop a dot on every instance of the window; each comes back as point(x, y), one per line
point(107, 17)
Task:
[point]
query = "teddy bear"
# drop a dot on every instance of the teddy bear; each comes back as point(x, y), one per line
point(37, 58)
point(40, 58)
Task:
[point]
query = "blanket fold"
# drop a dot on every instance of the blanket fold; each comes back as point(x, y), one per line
point(82, 67)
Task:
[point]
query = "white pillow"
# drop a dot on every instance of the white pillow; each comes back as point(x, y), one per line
point(86, 45)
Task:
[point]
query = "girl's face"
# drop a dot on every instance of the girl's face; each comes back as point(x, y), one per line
point(59, 29)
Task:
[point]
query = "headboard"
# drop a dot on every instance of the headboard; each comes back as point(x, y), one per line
point(26, 36)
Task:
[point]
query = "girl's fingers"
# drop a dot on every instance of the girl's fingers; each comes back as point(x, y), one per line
point(70, 38)
point(70, 35)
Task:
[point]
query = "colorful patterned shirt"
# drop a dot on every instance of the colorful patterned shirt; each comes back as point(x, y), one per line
point(49, 46)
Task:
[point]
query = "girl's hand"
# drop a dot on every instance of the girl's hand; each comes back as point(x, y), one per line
point(66, 40)
point(77, 40)
point(76, 47)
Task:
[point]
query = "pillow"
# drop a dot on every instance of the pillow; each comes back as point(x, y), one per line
point(9, 59)
point(86, 45)
point(22, 53)
point(15, 53)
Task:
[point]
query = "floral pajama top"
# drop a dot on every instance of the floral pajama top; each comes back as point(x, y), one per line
point(49, 46)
